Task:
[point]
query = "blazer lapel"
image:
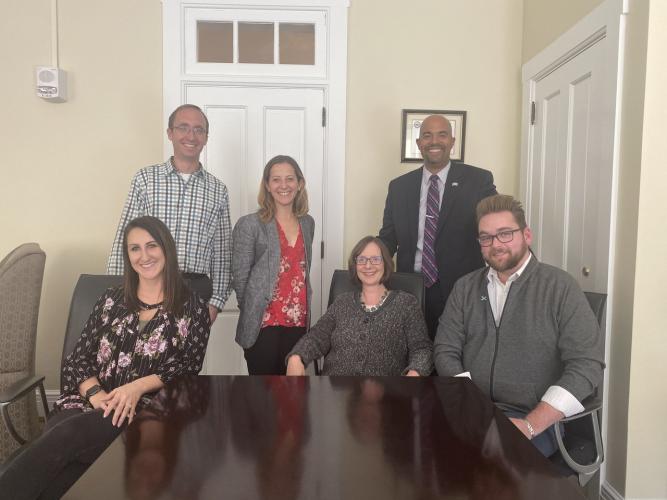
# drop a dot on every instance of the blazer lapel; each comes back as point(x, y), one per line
point(412, 194)
point(455, 179)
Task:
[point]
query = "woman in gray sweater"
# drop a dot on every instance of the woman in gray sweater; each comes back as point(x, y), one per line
point(374, 331)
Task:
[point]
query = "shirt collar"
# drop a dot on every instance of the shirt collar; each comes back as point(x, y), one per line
point(493, 274)
point(442, 175)
point(169, 168)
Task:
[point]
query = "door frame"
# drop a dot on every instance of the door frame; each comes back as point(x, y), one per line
point(606, 20)
point(333, 82)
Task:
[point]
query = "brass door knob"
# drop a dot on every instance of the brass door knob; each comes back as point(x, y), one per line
point(586, 271)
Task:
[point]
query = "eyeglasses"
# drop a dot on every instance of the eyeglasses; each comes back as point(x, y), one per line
point(486, 240)
point(375, 260)
point(186, 129)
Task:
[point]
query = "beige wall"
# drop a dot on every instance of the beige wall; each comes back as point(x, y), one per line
point(426, 54)
point(77, 158)
point(546, 20)
point(647, 450)
point(67, 167)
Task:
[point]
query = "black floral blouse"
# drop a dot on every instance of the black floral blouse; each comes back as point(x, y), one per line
point(112, 348)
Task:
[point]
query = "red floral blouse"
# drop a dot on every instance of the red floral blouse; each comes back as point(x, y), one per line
point(288, 304)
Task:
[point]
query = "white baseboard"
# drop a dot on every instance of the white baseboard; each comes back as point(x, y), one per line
point(608, 492)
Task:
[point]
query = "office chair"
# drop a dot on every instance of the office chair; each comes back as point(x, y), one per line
point(408, 282)
point(90, 287)
point(21, 275)
point(581, 447)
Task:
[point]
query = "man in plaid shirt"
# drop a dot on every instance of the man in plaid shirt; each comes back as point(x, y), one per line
point(192, 203)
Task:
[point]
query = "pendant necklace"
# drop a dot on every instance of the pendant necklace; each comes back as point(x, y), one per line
point(376, 306)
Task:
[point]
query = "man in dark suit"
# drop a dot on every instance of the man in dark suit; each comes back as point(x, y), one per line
point(434, 229)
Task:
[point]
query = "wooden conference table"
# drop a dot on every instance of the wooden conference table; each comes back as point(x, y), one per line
point(322, 438)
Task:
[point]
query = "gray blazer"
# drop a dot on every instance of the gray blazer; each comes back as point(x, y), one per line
point(255, 265)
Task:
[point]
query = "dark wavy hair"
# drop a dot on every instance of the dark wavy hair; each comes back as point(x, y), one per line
point(175, 291)
point(356, 252)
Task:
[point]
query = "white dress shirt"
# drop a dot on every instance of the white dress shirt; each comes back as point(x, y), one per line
point(423, 195)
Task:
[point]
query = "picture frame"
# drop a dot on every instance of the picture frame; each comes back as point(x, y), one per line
point(412, 119)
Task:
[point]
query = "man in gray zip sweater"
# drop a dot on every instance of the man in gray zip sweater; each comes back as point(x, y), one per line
point(523, 330)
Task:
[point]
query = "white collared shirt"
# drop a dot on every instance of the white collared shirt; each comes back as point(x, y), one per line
point(423, 195)
point(556, 396)
point(498, 290)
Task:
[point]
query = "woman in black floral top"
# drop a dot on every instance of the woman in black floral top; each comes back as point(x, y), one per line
point(138, 337)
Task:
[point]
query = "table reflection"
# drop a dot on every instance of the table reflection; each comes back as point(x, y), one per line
point(322, 438)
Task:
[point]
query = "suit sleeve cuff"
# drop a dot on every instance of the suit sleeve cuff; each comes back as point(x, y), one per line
point(562, 400)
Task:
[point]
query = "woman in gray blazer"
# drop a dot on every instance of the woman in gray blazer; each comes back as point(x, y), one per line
point(272, 250)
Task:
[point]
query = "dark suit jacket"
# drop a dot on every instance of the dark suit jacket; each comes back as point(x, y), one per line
point(456, 247)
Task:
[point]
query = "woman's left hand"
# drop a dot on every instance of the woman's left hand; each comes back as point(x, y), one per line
point(412, 373)
point(123, 401)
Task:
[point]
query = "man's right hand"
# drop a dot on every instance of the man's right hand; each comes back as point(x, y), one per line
point(295, 366)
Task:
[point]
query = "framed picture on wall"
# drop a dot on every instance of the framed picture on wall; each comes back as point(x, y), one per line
point(412, 120)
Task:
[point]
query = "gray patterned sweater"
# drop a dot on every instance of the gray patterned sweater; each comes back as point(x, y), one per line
point(389, 341)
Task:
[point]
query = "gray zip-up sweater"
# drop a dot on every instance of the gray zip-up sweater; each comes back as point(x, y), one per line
point(547, 335)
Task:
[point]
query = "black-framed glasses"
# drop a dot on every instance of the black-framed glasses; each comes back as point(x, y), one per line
point(186, 129)
point(375, 260)
point(486, 240)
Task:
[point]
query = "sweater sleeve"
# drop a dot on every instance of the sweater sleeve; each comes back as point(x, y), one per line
point(420, 347)
point(450, 336)
point(317, 342)
point(580, 344)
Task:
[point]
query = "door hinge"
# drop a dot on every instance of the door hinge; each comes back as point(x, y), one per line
point(321, 249)
point(532, 113)
point(324, 116)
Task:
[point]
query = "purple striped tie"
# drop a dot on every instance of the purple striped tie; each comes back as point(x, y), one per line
point(429, 266)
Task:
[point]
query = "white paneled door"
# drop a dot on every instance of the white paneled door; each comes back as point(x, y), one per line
point(570, 167)
point(248, 126)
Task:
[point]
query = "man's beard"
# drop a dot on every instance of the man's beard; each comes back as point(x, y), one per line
point(510, 263)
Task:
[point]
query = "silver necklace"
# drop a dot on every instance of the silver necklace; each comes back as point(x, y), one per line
point(377, 306)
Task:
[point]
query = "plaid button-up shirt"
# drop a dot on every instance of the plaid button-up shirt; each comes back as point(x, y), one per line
point(197, 214)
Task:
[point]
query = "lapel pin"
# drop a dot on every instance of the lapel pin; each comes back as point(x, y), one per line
point(455, 184)
point(483, 297)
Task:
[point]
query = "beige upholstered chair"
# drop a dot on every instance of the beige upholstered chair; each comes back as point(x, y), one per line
point(21, 274)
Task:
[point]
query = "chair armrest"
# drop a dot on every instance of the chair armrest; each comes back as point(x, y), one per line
point(20, 388)
point(590, 404)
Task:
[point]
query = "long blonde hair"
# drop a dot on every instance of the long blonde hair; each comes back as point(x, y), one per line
point(267, 207)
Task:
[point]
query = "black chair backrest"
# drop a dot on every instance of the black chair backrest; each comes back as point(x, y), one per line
point(408, 282)
point(597, 302)
point(89, 288)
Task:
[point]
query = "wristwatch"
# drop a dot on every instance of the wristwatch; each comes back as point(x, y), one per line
point(92, 391)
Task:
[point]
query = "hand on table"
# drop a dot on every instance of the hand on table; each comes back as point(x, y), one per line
point(295, 366)
point(412, 373)
point(123, 402)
